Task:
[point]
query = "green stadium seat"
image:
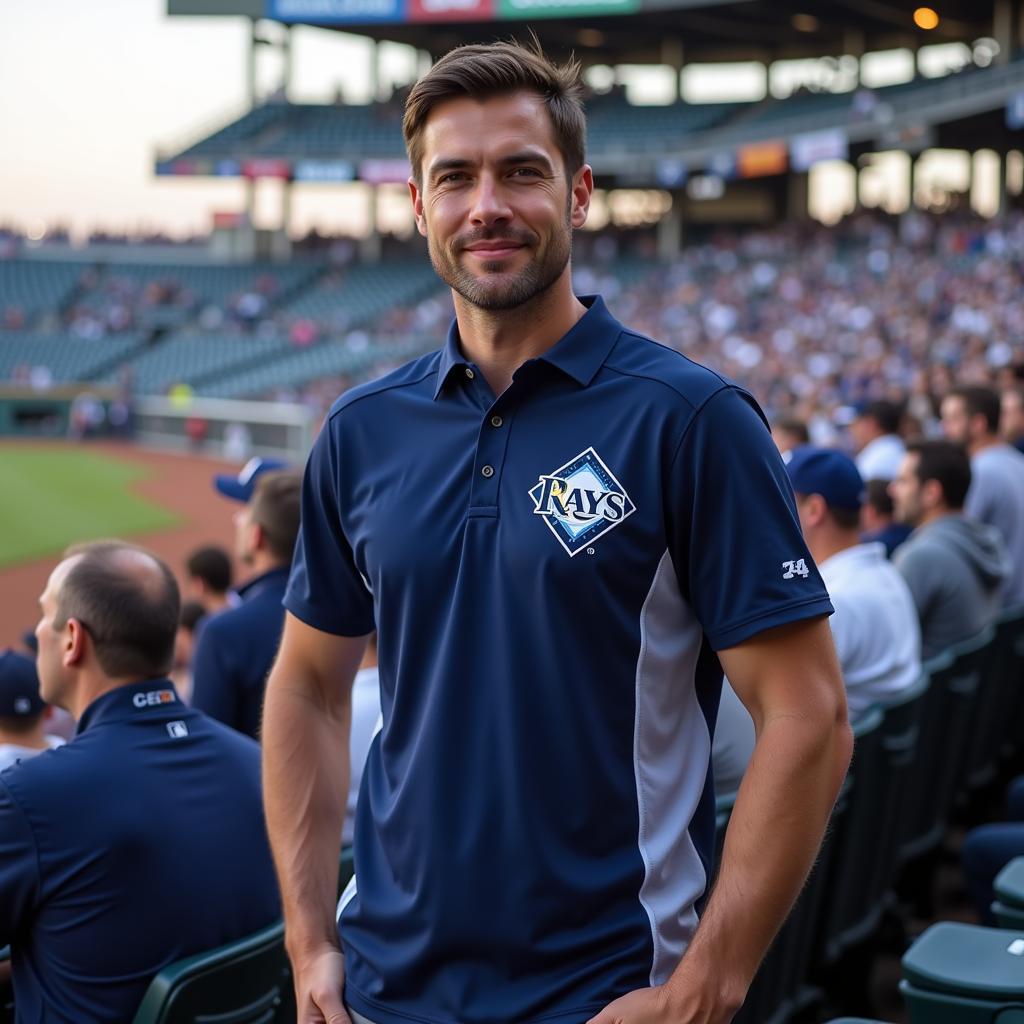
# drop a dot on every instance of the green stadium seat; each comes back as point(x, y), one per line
point(1007, 916)
point(346, 868)
point(1008, 907)
point(244, 982)
point(964, 974)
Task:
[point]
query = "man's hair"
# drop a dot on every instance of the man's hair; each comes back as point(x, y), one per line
point(885, 413)
point(483, 70)
point(190, 615)
point(844, 518)
point(945, 462)
point(794, 426)
point(131, 615)
point(979, 401)
point(20, 725)
point(878, 497)
point(275, 506)
point(212, 565)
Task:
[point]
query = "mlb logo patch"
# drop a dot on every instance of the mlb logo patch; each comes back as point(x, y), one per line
point(581, 501)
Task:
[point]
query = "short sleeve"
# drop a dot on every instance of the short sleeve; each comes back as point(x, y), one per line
point(736, 541)
point(325, 589)
point(19, 868)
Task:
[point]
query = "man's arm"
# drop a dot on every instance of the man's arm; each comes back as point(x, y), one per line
point(789, 680)
point(306, 720)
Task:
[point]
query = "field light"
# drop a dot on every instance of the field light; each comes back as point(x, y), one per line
point(926, 18)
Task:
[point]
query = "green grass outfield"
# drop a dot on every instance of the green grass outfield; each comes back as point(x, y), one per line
point(51, 498)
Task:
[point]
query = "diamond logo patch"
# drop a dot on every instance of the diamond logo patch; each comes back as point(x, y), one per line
point(581, 501)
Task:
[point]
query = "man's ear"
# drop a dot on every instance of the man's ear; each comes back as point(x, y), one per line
point(582, 186)
point(416, 194)
point(76, 642)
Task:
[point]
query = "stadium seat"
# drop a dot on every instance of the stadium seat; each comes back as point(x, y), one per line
point(244, 982)
point(945, 724)
point(1008, 906)
point(964, 974)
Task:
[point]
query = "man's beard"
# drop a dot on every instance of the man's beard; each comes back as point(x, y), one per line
point(484, 293)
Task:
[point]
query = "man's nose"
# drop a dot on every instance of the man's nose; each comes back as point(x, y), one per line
point(490, 202)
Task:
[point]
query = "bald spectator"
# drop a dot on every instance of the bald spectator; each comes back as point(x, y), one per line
point(1011, 417)
point(141, 841)
point(970, 417)
point(23, 713)
point(875, 624)
point(208, 579)
point(953, 565)
point(236, 648)
point(875, 433)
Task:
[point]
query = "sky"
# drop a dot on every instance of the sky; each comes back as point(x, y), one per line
point(91, 91)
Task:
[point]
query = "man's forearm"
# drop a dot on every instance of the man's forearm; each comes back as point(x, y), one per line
point(305, 786)
point(776, 828)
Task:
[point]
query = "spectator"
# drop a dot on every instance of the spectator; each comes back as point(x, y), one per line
point(235, 649)
point(23, 714)
point(953, 565)
point(1011, 417)
point(970, 417)
point(192, 613)
point(208, 579)
point(876, 517)
point(875, 432)
point(789, 433)
point(141, 841)
point(366, 723)
point(875, 625)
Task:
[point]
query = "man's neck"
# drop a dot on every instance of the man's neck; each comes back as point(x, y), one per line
point(984, 443)
point(823, 547)
point(499, 342)
point(935, 514)
point(90, 688)
point(263, 562)
point(34, 739)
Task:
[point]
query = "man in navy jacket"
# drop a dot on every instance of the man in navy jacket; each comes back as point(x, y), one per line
point(142, 840)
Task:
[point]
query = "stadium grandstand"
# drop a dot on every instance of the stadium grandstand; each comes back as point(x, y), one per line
point(710, 239)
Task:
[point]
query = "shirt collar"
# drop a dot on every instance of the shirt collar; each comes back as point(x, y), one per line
point(264, 580)
point(579, 353)
point(129, 701)
point(851, 560)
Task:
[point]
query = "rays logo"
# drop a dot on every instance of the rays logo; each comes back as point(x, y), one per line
point(581, 501)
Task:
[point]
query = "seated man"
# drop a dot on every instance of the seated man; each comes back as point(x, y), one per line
point(208, 579)
point(876, 517)
point(23, 714)
point(953, 565)
point(875, 624)
point(988, 849)
point(142, 840)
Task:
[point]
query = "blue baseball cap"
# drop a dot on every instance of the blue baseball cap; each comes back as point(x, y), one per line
point(828, 472)
point(19, 686)
point(240, 488)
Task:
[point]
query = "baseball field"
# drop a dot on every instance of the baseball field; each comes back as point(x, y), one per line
point(56, 494)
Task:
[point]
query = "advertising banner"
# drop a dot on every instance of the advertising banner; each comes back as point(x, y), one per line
point(519, 9)
point(762, 159)
point(813, 147)
point(336, 12)
point(324, 170)
point(723, 165)
point(450, 10)
point(267, 167)
point(385, 172)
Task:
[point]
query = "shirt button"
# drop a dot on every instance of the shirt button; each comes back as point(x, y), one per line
point(487, 471)
point(496, 421)
point(469, 374)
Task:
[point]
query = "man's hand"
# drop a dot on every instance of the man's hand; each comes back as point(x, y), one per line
point(319, 980)
point(670, 1004)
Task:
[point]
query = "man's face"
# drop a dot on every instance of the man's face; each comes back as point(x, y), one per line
point(245, 535)
point(52, 640)
point(1011, 416)
point(955, 421)
point(494, 202)
point(862, 430)
point(905, 491)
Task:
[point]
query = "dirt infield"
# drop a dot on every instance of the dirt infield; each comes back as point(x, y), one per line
point(182, 483)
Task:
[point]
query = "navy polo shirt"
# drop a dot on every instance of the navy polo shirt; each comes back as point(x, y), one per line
point(551, 573)
point(234, 653)
point(138, 843)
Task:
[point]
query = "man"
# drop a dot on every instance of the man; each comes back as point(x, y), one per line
point(208, 579)
point(875, 627)
point(23, 713)
point(877, 519)
point(789, 433)
point(875, 433)
point(1011, 417)
point(953, 565)
point(561, 531)
point(141, 841)
point(234, 650)
point(970, 417)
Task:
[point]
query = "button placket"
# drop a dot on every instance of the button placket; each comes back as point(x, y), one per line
point(492, 441)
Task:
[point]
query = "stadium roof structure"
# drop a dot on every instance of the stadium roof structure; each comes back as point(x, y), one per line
point(636, 31)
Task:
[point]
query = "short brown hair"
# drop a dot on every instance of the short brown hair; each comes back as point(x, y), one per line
point(482, 70)
point(945, 462)
point(275, 507)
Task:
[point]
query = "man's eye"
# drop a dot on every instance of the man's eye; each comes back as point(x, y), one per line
point(446, 179)
point(526, 172)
